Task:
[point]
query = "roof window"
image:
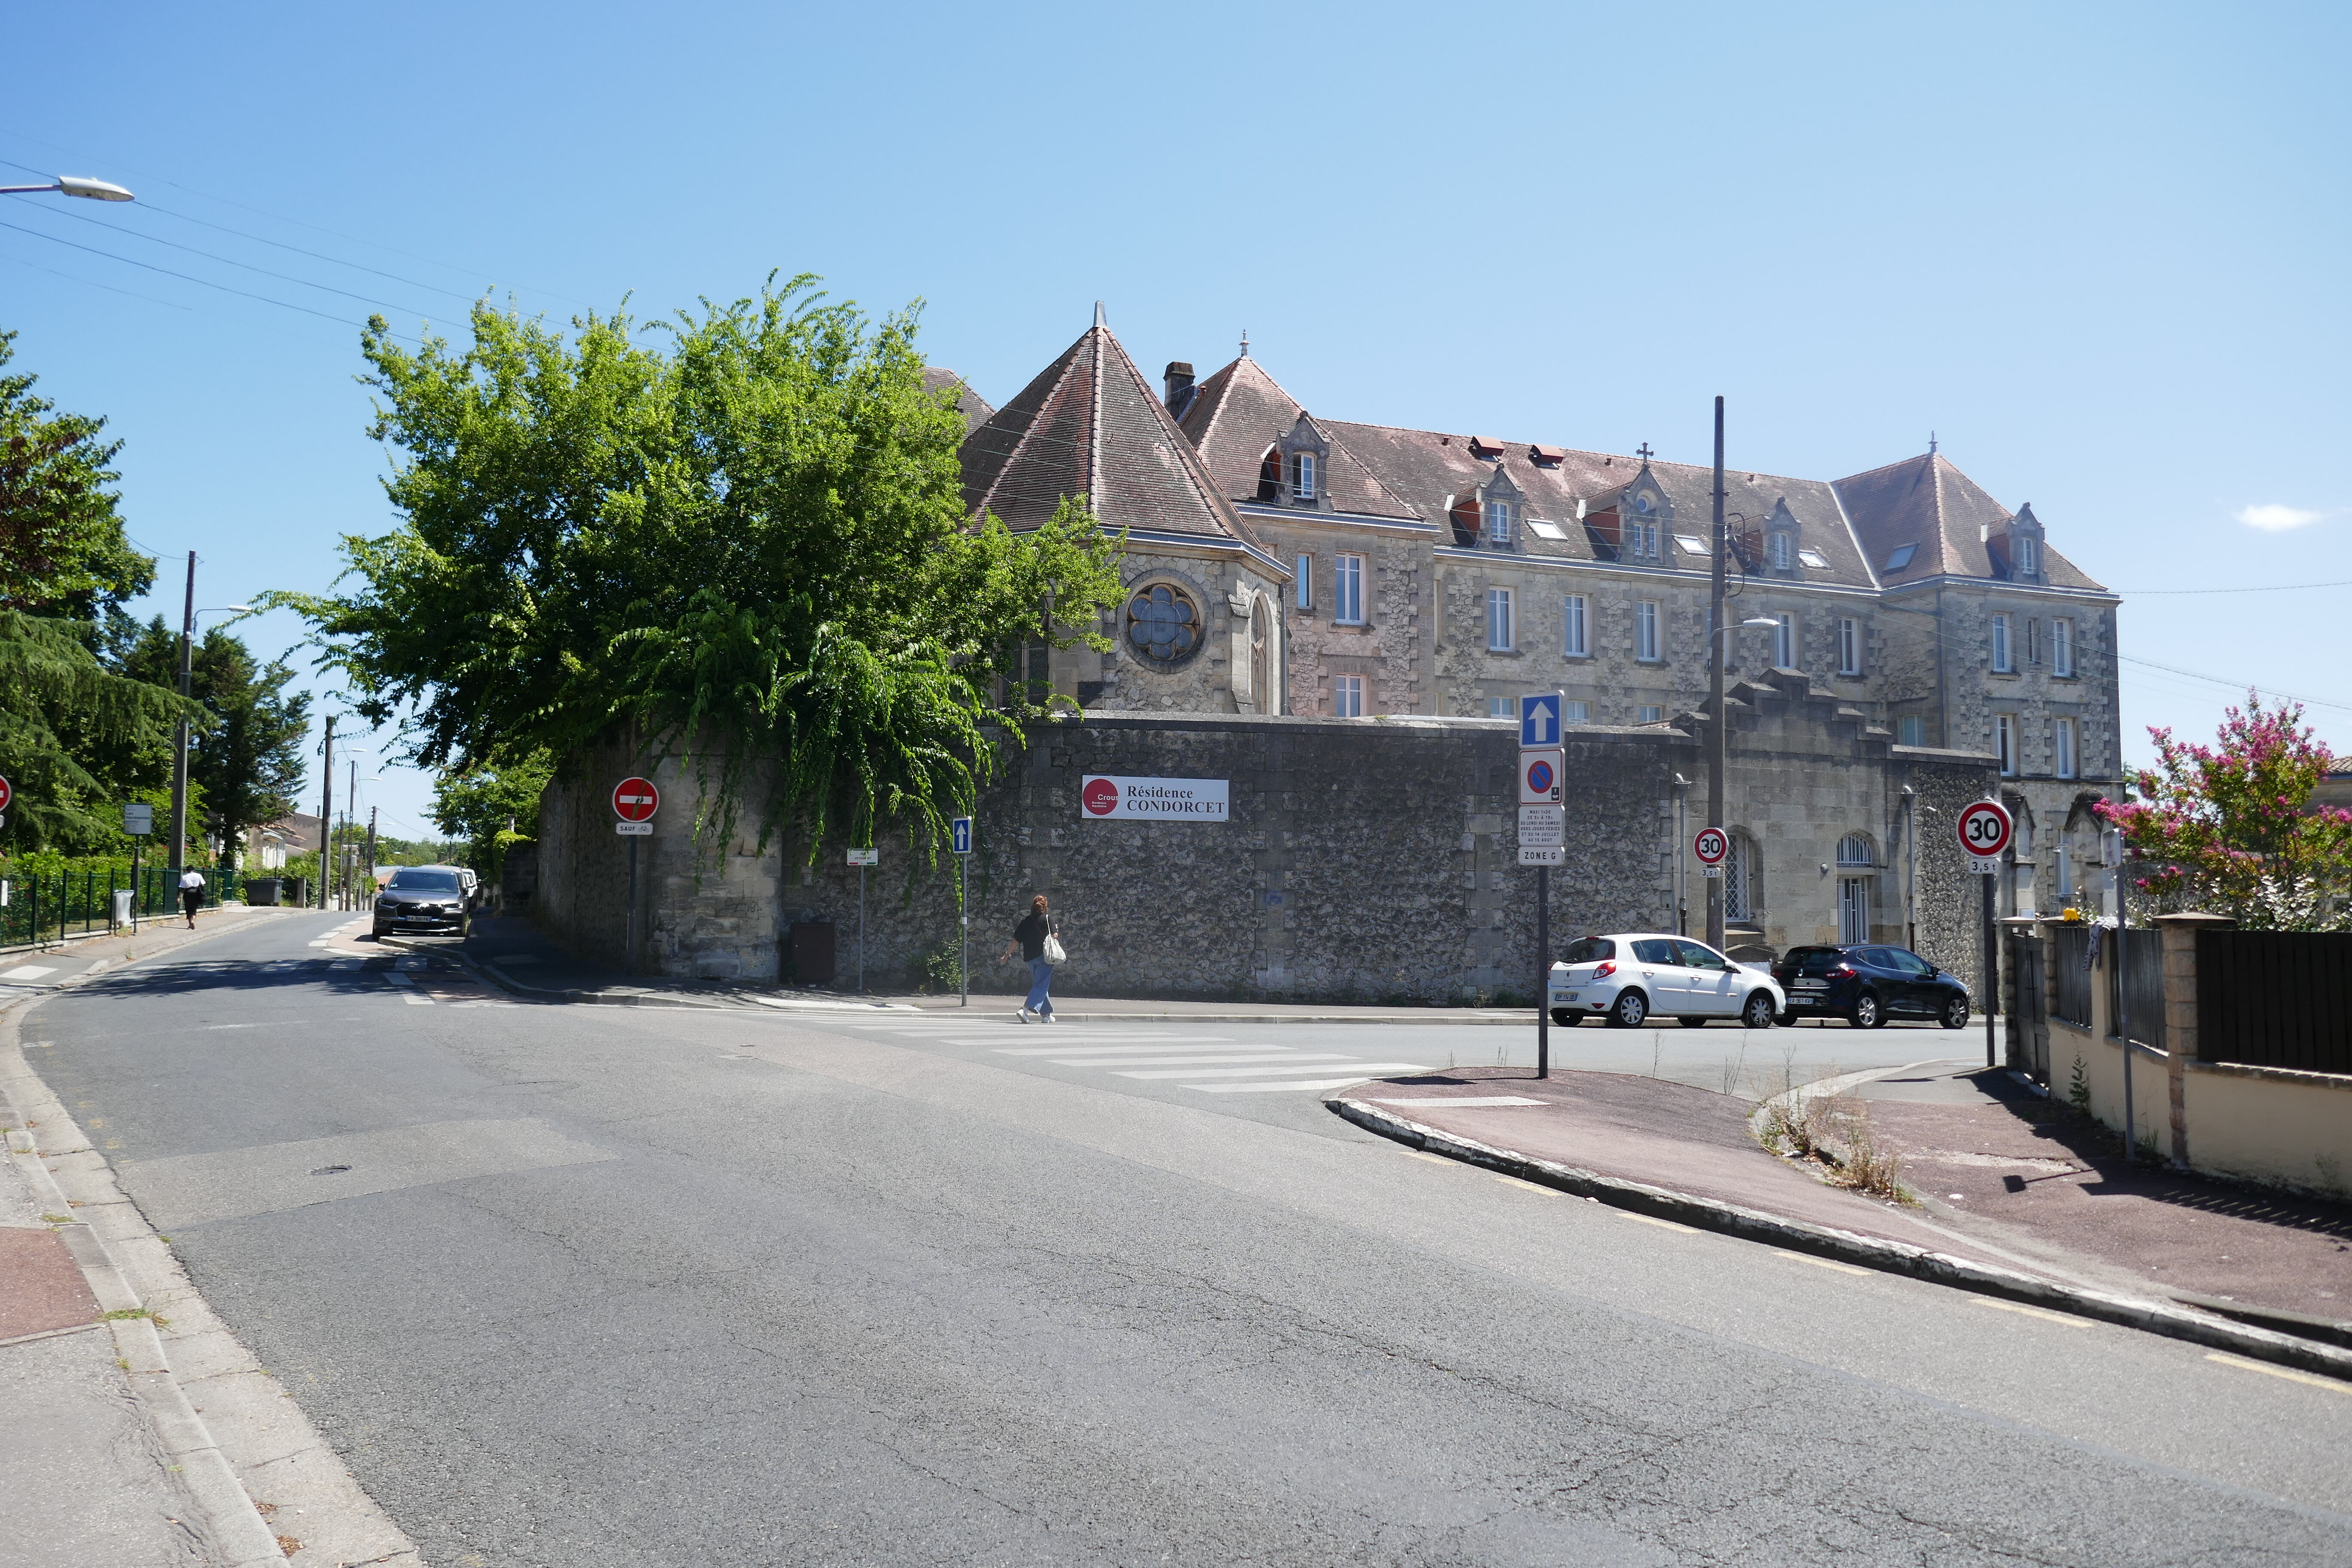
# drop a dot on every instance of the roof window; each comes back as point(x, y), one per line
point(1813, 558)
point(1543, 530)
point(1901, 557)
point(1481, 446)
point(1691, 543)
point(1547, 457)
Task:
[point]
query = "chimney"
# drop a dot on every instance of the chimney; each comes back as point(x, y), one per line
point(1179, 379)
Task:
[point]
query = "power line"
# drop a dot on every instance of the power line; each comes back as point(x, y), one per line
point(229, 261)
point(2241, 685)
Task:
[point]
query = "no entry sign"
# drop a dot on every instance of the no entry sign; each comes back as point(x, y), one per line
point(1984, 826)
point(636, 800)
point(7, 794)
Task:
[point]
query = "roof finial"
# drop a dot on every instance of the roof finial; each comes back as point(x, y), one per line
point(1244, 343)
point(1931, 443)
point(1643, 452)
point(1099, 315)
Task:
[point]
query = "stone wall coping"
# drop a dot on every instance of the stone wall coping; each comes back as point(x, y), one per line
point(2191, 920)
point(2342, 1081)
point(1243, 724)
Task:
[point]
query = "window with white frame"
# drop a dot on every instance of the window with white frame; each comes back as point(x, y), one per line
point(1575, 712)
point(1347, 697)
point(2061, 647)
point(1498, 620)
point(2004, 743)
point(2029, 555)
point(1849, 646)
point(1576, 633)
point(1498, 707)
point(1648, 713)
point(1347, 590)
point(2000, 652)
point(1645, 631)
point(1498, 523)
point(1302, 476)
point(1306, 581)
point(2068, 735)
point(1911, 729)
point(1783, 552)
point(1784, 641)
point(2033, 642)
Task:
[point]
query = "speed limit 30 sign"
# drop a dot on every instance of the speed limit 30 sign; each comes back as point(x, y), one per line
point(1711, 846)
point(1984, 826)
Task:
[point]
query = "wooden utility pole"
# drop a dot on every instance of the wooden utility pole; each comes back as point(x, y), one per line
point(180, 735)
point(1718, 722)
point(327, 811)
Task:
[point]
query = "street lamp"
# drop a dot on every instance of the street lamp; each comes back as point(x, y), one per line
point(72, 185)
point(180, 737)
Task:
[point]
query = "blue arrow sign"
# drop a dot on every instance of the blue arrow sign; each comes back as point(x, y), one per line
point(959, 835)
point(1540, 719)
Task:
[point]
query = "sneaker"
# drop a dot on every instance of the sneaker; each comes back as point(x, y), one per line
point(1022, 1014)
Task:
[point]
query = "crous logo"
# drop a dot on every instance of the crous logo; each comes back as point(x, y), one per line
point(1101, 797)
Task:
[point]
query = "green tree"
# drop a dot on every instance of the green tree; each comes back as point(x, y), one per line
point(2229, 828)
point(752, 549)
point(247, 764)
point(76, 739)
point(491, 807)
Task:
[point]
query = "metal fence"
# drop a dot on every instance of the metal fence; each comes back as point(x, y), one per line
point(50, 906)
point(2070, 974)
point(2275, 999)
point(2135, 984)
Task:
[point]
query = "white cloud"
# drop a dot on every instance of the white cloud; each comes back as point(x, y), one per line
point(2276, 518)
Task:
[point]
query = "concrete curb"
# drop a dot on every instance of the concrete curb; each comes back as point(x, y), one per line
point(233, 1529)
point(1847, 1247)
point(498, 979)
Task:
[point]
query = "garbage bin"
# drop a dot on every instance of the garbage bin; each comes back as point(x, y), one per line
point(121, 908)
point(262, 891)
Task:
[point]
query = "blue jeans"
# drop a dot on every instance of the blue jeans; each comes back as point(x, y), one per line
point(1041, 983)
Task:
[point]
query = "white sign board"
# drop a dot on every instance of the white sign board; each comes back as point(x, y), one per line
point(1539, 776)
point(138, 816)
point(1979, 867)
point(633, 829)
point(866, 857)
point(1543, 826)
point(1110, 796)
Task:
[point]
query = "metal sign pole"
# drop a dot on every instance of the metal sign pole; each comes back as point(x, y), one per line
point(1992, 968)
point(861, 930)
point(629, 949)
point(2123, 1013)
point(963, 930)
point(1543, 971)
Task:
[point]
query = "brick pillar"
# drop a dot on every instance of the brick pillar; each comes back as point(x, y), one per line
point(2179, 938)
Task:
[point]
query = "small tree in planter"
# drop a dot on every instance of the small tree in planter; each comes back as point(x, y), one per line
point(2228, 827)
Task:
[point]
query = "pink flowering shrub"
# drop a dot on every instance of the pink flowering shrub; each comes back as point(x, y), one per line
point(2225, 827)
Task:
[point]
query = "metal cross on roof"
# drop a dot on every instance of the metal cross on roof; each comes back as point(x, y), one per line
point(1643, 452)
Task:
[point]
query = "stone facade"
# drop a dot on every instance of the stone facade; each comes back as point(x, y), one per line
point(1361, 861)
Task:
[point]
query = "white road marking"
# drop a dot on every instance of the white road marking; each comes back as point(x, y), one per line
point(1531, 1186)
point(1653, 1220)
point(2332, 1385)
point(1824, 1262)
point(1308, 1060)
point(1468, 1100)
point(2066, 1317)
point(345, 963)
point(415, 1000)
point(1089, 1042)
point(27, 971)
point(397, 978)
point(1310, 1085)
point(1361, 1070)
point(1106, 1050)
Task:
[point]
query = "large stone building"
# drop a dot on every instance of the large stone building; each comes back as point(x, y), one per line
point(1281, 562)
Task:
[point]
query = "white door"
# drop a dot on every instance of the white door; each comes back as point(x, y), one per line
point(1853, 909)
point(1714, 980)
point(1663, 976)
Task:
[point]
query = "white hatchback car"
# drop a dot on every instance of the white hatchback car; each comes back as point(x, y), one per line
point(1637, 976)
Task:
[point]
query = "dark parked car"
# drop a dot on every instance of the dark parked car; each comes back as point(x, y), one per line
point(1866, 984)
point(422, 898)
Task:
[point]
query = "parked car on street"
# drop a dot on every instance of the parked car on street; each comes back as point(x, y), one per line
point(1868, 983)
point(424, 899)
point(1629, 977)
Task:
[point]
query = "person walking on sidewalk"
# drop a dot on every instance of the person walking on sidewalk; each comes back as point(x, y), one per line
point(1030, 937)
point(192, 894)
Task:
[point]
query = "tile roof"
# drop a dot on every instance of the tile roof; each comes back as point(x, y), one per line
point(975, 408)
point(1927, 501)
point(1240, 411)
point(1090, 425)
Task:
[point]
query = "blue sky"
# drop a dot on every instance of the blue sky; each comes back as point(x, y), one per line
point(2099, 250)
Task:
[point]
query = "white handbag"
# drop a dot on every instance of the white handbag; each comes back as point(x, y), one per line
point(1054, 955)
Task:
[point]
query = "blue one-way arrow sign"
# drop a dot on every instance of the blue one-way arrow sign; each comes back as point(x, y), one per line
point(1540, 719)
point(959, 835)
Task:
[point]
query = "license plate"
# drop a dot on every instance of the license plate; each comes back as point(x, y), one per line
point(1568, 996)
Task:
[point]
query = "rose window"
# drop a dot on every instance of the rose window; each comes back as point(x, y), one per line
point(1162, 624)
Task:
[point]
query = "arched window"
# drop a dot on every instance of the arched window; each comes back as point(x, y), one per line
point(1262, 656)
point(1855, 849)
point(1739, 900)
point(1162, 625)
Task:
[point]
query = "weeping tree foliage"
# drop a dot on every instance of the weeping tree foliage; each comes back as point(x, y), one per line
point(740, 535)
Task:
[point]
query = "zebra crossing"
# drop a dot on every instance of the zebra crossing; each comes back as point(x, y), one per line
point(1206, 1064)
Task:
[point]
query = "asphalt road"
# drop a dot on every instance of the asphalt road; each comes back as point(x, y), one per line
point(606, 1286)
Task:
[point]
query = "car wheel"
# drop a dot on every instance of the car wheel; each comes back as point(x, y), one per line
point(1563, 1018)
point(1628, 1011)
point(1956, 1012)
point(1866, 1013)
point(1756, 1013)
point(377, 932)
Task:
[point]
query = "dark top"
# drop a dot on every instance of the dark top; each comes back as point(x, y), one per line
point(1030, 934)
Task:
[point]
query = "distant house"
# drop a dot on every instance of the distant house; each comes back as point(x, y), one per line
point(266, 846)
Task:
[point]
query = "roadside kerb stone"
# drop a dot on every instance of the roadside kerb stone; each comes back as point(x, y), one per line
point(1849, 1247)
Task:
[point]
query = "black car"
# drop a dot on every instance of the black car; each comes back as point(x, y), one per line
point(1866, 984)
point(422, 898)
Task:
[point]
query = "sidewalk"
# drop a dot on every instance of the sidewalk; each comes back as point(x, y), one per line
point(2015, 1197)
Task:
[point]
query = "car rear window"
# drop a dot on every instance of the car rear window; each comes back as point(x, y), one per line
point(1588, 950)
point(1812, 960)
point(423, 882)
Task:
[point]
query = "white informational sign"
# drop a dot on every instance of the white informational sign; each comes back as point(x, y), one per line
point(1109, 797)
point(866, 857)
point(633, 829)
point(1710, 870)
point(1539, 776)
point(1982, 868)
point(138, 818)
point(1543, 836)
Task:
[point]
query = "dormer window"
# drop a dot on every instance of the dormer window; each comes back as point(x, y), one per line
point(1269, 475)
point(1302, 477)
point(2025, 564)
point(1783, 552)
point(2029, 557)
point(1498, 524)
point(1295, 464)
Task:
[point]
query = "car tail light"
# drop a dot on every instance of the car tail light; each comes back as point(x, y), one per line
point(1603, 971)
point(1841, 969)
